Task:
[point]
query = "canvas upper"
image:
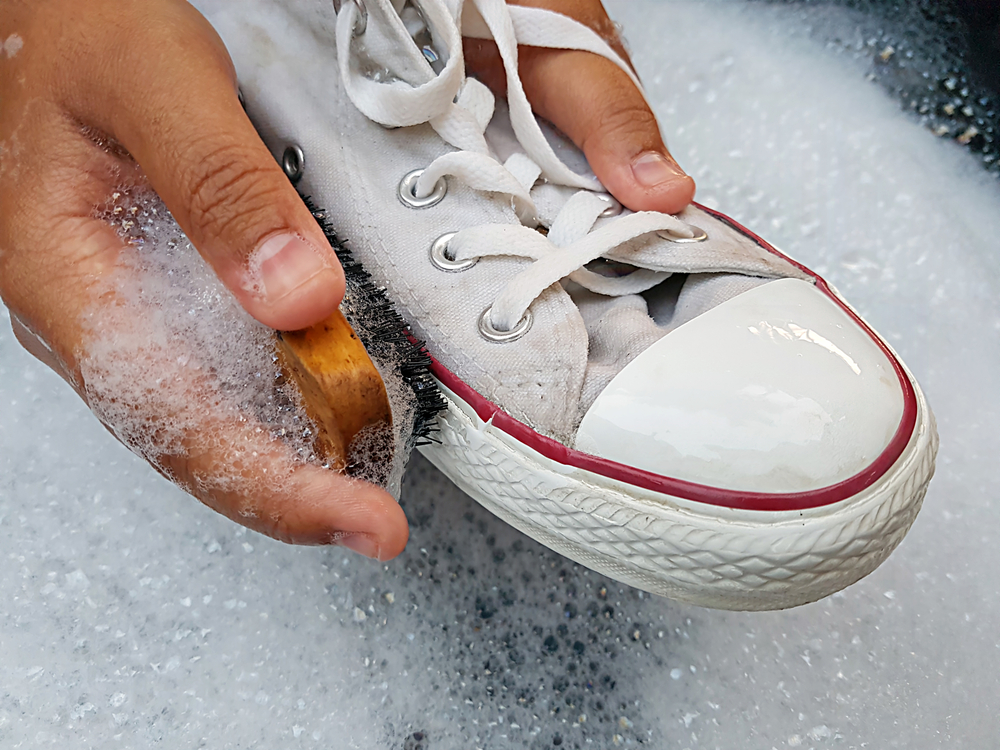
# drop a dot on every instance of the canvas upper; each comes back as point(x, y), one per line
point(715, 361)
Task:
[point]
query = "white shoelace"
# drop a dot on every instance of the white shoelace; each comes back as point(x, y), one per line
point(459, 109)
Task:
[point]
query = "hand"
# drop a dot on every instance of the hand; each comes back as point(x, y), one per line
point(596, 104)
point(106, 95)
point(119, 94)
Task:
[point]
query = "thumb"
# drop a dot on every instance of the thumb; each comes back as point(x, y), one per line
point(596, 104)
point(202, 155)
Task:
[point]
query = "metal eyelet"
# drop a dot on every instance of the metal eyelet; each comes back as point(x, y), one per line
point(439, 256)
point(488, 332)
point(614, 207)
point(293, 161)
point(408, 185)
point(362, 23)
point(700, 235)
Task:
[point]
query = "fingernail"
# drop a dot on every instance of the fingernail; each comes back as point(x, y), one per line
point(360, 543)
point(652, 168)
point(282, 264)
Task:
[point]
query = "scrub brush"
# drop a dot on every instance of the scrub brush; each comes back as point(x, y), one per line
point(343, 390)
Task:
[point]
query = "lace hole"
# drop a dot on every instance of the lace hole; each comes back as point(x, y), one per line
point(293, 162)
point(700, 235)
point(439, 256)
point(408, 186)
point(614, 207)
point(490, 333)
point(362, 23)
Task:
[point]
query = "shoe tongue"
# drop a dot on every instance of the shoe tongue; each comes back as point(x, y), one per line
point(502, 140)
point(420, 33)
point(393, 43)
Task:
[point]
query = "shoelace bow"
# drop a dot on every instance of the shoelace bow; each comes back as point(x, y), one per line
point(459, 109)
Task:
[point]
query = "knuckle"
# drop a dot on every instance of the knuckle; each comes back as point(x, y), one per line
point(282, 528)
point(284, 520)
point(229, 190)
point(626, 120)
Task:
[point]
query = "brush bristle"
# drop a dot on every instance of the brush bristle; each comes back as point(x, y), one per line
point(384, 333)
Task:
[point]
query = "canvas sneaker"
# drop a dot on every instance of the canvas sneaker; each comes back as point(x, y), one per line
point(668, 400)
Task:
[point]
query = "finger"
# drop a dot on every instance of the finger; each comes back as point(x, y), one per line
point(174, 107)
point(164, 403)
point(158, 401)
point(238, 470)
point(37, 347)
point(73, 293)
point(598, 107)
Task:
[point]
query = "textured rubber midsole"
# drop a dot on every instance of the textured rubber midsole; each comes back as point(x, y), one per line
point(702, 554)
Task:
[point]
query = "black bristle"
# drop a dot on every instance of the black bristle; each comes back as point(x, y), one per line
point(384, 333)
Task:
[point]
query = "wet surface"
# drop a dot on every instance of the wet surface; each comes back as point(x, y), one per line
point(940, 60)
point(134, 617)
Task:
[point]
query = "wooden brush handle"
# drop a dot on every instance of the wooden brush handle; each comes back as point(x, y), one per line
point(341, 390)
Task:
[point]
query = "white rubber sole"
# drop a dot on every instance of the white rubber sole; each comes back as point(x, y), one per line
point(692, 552)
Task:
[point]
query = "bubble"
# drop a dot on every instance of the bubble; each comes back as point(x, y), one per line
point(171, 355)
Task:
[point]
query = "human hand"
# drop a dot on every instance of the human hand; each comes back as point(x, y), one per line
point(596, 104)
point(106, 96)
point(115, 95)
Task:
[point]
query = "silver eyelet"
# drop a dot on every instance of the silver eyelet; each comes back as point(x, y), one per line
point(362, 22)
point(700, 235)
point(614, 207)
point(488, 332)
point(293, 161)
point(408, 185)
point(439, 256)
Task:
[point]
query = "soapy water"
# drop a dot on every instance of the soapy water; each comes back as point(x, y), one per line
point(174, 351)
point(924, 57)
point(136, 618)
point(175, 363)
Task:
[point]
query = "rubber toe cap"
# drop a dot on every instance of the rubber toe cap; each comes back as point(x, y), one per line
point(776, 390)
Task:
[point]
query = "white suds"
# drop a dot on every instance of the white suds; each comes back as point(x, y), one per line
point(12, 45)
point(175, 367)
point(491, 640)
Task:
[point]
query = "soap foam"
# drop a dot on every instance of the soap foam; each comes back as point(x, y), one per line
point(12, 45)
point(174, 356)
point(133, 619)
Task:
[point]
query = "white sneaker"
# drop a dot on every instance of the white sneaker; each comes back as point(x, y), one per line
point(667, 400)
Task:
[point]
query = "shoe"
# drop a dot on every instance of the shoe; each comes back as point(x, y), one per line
point(667, 400)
